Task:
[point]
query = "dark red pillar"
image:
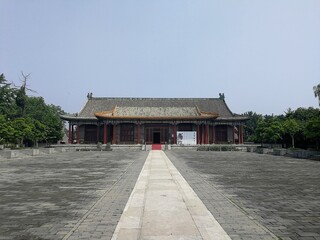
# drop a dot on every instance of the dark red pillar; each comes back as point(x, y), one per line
point(138, 137)
point(105, 136)
point(202, 134)
point(198, 134)
point(114, 135)
point(174, 134)
point(69, 135)
point(241, 134)
point(213, 134)
point(207, 134)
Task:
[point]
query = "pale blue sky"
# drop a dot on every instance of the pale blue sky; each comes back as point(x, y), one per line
point(263, 54)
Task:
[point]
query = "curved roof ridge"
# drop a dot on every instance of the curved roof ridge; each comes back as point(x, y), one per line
point(227, 107)
point(151, 98)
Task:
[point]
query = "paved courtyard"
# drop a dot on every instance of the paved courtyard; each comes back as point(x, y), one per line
point(48, 196)
point(81, 195)
point(282, 194)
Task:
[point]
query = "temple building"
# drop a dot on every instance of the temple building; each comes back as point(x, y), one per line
point(155, 121)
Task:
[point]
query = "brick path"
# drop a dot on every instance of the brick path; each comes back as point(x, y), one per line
point(49, 197)
point(280, 193)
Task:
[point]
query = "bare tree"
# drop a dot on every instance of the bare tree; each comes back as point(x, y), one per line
point(21, 96)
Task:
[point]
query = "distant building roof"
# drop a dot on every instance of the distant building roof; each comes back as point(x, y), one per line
point(154, 108)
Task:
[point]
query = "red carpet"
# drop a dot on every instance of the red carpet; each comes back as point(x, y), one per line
point(156, 146)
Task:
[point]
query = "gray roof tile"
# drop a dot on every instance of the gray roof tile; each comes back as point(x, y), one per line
point(177, 106)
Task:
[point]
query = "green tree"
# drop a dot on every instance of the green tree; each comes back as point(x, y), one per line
point(38, 132)
point(23, 129)
point(21, 95)
point(316, 90)
point(7, 98)
point(312, 131)
point(251, 125)
point(48, 116)
point(269, 130)
point(291, 127)
point(6, 130)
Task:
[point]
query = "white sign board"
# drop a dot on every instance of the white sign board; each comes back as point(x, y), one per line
point(187, 138)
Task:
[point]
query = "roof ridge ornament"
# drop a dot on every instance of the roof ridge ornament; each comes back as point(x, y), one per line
point(89, 96)
point(221, 96)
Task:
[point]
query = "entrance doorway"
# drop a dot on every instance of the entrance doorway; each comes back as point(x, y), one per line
point(156, 137)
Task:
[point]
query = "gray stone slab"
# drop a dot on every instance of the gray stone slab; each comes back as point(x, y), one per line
point(48, 196)
point(280, 193)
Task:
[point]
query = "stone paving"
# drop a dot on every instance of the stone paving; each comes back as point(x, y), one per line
point(282, 194)
point(50, 196)
point(81, 195)
point(163, 206)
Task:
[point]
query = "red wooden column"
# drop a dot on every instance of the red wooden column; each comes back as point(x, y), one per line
point(138, 137)
point(213, 134)
point(69, 135)
point(241, 134)
point(174, 134)
point(207, 134)
point(202, 134)
point(114, 135)
point(105, 136)
point(78, 133)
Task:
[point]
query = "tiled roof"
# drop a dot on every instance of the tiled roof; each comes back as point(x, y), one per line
point(177, 106)
point(156, 113)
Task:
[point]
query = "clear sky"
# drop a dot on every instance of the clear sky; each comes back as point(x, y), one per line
point(263, 54)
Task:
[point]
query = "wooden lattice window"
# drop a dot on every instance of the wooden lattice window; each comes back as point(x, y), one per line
point(127, 133)
point(221, 134)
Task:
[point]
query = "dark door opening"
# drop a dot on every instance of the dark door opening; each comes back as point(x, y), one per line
point(156, 137)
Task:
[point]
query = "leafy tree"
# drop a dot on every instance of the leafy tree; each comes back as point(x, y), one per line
point(251, 125)
point(291, 126)
point(312, 131)
point(23, 129)
point(6, 130)
point(7, 98)
point(303, 114)
point(48, 116)
point(21, 95)
point(38, 133)
point(24, 118)
point(269, 130)
point(316, 90)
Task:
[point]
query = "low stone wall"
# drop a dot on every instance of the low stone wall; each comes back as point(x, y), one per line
point(280, 151)
point(47, 150)
point(9, 153)
point(127, 147)
point(222, 147)
point(30, 152)
point(302, 153)
point(305, 154)
point(183, 147)
point(264, 150)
